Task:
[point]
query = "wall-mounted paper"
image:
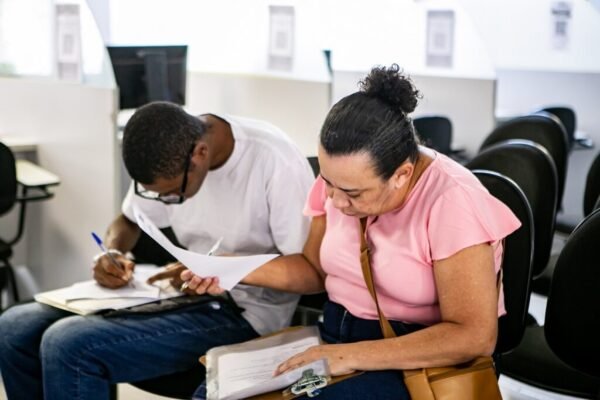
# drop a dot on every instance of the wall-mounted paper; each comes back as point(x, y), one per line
point(440, 38)
point(561, 13)
point(68, 42)
point(281, 37)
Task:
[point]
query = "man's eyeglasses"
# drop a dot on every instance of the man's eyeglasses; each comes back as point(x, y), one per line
point(167, 198)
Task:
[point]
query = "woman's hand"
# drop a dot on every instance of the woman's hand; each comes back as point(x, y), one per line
point(200, 285)
point(338, 358)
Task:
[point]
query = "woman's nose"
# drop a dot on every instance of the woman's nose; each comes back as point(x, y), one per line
point(340, 199)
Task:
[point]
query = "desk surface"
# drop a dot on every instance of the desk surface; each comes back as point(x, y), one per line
point(30, 175)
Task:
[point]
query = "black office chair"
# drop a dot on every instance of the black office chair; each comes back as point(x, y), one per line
point(562, 355)
point(10, 195)
point(567, 117)
point(542, 128)
point(310, 306)
point(435, 132)
point(530, 166)
point(565, 224)
point(518, 258)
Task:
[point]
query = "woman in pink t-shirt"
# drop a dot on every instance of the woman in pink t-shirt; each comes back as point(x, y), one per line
point(434, 235)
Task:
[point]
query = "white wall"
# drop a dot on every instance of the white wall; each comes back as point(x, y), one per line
point(74, 126)
point(368, 32)
point(518, 35)
point(297, 107)
point(227, 36)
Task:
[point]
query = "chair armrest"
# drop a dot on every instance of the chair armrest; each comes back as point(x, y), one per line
point(33, 177)
point(30, 175)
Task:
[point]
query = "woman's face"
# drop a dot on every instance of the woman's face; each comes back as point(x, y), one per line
point(356, 190)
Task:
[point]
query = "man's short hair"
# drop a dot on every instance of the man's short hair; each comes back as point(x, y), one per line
point(157, 140)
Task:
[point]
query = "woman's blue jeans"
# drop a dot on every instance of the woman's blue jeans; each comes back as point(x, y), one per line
point(52, 354)
point(339, 326)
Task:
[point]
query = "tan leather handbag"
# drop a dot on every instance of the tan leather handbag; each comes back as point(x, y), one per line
point(473, 380)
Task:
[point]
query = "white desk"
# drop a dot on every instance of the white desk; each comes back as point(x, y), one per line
point(30, 175)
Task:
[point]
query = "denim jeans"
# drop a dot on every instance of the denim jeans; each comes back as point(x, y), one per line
point(339, 326)
point(52, 354)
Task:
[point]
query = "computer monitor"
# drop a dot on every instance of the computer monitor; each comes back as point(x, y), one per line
point(149, 73)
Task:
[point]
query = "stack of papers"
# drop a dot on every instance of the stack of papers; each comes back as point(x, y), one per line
point(246, 369)
point(89, 297)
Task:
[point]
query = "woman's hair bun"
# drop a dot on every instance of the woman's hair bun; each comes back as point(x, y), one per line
point(391, 86)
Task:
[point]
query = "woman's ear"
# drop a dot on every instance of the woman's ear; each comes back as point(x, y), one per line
point(402, 174)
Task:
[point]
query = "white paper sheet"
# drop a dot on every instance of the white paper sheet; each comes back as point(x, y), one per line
point(229, 270)
point(245, 374)
point(92, 290)
point(70, 299)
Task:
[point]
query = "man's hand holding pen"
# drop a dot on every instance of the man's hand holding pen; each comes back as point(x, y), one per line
point(107, 274)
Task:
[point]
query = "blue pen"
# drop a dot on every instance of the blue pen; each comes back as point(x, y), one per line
point(103, 249)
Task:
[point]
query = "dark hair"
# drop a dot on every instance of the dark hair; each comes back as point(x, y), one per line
point(157, 140)
point(375, 120)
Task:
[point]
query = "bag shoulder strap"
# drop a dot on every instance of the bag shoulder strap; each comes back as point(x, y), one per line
point(365, 263)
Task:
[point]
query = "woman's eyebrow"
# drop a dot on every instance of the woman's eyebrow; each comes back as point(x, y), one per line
point(342, 189)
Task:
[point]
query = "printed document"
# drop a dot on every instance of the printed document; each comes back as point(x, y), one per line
point(89, 297)
point(229, 270)
point(246, 369)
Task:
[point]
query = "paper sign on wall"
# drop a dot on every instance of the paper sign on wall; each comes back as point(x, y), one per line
point(68, 46)
point(440, 38)
point(561, 20)
point(281, 37)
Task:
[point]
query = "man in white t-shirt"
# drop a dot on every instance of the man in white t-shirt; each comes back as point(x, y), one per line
point(206, 177)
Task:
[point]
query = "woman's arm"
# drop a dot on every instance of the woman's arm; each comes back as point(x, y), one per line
point(468, 298)
point(296, 273)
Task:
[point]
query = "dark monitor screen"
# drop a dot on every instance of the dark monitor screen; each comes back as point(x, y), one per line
point(149, 73)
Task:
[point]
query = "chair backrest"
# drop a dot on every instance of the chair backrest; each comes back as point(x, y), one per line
point(314, 164)
point(542, 128)
point(592, 186)
point(567, 117)
point(531, 167)
point(572, 323)
point(435, 132)
point(8, 179)
point(518, 257)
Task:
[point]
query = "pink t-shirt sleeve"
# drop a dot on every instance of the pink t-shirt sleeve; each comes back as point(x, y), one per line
point(315, 204)
point(466, 216)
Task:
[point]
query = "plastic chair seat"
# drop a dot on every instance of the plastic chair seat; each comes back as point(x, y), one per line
point(535, 364)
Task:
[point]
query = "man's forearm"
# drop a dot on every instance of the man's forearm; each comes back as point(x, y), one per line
point(122, 234)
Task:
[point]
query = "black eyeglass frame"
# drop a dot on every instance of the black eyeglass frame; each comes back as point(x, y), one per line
point(169, 198)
